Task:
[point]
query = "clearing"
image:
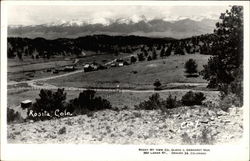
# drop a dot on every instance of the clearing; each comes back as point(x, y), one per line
point(140, 75)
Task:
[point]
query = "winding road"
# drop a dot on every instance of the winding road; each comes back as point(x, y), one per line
point(59, 76)
point(33, 84)
point(47, 78)
point(38, 84)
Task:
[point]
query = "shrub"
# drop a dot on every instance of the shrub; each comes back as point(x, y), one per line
point(62, 130)
point(125, 107)
point(49, 101)
point(157, 84)
point(170, 102)
point(235, 87)
point(134, 72)
point(191, 67)
point(229, 101)
point(133, 59)
point(154, 102)
point(13, 116)
point(87, 102)
point(191, 98)
point(199, 97)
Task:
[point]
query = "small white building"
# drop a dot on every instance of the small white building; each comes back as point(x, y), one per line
point(26, 104)
point(86, 66)
point(120, 64)
point(69, 68)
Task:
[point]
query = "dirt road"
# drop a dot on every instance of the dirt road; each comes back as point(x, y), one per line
point(47, 78)
point(38, 86)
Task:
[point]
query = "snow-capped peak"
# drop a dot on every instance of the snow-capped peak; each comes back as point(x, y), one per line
point(73, 22)
point(123, 20)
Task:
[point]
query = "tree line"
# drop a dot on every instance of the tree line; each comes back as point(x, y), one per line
point(63, 46)
point(40, 47)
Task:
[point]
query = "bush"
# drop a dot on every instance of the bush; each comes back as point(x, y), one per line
point(13, 116)
point(153, 103)
point(133, 59)
point(229, 101)
point(191, 67)
point(87, 102)
point(62, 131)
point(191, 98)
point(235, 87)
point(157, 84)
point(49, 101)
point(170, 102)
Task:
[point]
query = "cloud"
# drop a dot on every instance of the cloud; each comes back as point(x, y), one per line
point(33, 15)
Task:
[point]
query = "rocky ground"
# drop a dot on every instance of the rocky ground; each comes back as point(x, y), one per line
point(184, 125)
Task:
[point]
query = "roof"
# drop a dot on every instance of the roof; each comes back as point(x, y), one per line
point(69, 67)
point(86, 65)
point(26, 101)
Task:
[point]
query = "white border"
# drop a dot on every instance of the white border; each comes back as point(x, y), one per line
point(117, 152)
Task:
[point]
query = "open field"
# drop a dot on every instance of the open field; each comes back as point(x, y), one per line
point(140, 75)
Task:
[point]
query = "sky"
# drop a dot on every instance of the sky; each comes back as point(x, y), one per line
point(35, 15)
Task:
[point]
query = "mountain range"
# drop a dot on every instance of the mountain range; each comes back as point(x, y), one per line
point(150, 28)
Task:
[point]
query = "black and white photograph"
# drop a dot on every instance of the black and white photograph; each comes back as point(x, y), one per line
point(128, 74)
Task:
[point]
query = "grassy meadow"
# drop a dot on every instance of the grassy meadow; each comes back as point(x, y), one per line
point(140, 75)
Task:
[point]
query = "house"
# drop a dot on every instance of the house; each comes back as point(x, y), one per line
point(120, 64)
point(26, 104)
point(113, 65)
point(94, 65)
point(87, 68)
point(69, 68)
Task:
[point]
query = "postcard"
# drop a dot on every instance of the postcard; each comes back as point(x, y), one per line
point(124, 80)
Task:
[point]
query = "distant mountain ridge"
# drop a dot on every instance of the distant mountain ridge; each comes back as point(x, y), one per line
point(150, 28)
